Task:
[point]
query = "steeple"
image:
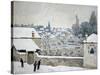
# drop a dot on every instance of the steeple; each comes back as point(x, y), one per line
point(77, 21)
point(49, 27)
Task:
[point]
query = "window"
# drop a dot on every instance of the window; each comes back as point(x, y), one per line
point(92, 51)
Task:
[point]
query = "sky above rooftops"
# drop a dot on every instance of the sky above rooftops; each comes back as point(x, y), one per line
point(59, 15)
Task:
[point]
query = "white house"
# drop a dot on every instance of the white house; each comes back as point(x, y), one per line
point(90, 51)
point(24, 46)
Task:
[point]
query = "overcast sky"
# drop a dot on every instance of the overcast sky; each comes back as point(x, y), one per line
point(58, 14)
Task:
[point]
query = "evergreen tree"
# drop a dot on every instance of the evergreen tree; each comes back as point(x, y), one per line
point(93, 23)
point(89, 27)
point(85, 28)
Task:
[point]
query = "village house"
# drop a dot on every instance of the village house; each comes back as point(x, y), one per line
point(23, 45)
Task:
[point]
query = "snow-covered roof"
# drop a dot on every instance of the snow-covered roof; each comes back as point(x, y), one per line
point(91, 38)
point(25, 44)
point(24, 32)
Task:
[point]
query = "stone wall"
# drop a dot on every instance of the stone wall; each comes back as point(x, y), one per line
point(62, 61)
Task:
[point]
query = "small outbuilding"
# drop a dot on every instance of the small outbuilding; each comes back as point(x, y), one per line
point(90, 51)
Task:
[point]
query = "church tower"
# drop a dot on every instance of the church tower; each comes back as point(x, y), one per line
point(75, 26)
point(49, 27)
point(77, 21)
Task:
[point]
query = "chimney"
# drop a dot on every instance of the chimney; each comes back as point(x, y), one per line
point(33, 34)
point(86, 37)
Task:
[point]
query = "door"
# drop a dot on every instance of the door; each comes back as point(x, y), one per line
point(30, 57)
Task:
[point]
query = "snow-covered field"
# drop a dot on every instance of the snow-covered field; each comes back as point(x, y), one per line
point(43, 68)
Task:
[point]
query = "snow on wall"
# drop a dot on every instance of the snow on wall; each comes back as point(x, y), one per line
point(59, 57)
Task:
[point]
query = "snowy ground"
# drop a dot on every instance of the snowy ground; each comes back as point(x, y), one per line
point(43, 68)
